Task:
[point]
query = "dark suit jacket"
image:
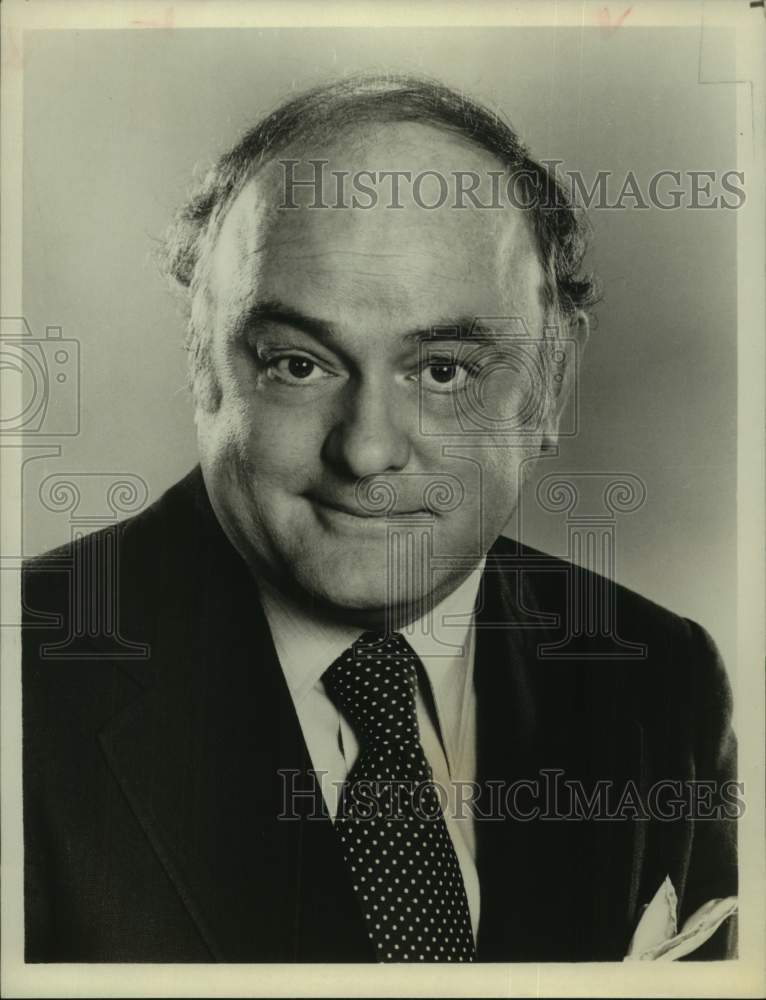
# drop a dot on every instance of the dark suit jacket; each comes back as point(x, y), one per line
point(157, 719)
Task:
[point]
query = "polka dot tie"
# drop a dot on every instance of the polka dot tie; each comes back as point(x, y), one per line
point(391, 827)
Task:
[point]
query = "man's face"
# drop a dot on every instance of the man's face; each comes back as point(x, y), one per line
point(342, 397)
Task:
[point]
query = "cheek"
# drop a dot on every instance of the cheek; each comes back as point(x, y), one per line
point(266, 444)
point(512, 396)
point(504, 473)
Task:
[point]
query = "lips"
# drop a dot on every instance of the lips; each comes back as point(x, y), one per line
point(353, 510)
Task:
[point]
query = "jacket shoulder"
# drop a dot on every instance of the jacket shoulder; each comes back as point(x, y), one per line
point(96, 598)
point(141, 532)
point(665, 667)
point(551, 581)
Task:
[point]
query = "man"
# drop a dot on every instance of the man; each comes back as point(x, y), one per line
point(334, 708)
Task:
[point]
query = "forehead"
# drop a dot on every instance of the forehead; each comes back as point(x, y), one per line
point(378, 265)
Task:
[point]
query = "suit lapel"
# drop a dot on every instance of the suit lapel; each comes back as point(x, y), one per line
point(204, 757)
point(552, 889)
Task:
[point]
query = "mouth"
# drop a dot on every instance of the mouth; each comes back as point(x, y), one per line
point(346, 512)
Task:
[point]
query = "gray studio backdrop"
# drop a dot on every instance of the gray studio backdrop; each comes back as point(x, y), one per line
point(115, 122)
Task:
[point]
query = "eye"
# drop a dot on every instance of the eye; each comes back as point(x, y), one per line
point(444, 376)
point(295, 369)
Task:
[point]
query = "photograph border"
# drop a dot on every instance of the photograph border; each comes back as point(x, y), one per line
point(743, 976)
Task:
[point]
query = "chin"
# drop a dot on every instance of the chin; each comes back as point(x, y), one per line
point(355, 582)
point(357, 589)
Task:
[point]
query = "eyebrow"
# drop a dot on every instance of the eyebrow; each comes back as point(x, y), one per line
point(274, 311)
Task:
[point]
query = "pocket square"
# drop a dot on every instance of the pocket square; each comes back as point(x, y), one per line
point(657, 937)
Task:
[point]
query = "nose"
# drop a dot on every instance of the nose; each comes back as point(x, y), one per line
point(369, 435)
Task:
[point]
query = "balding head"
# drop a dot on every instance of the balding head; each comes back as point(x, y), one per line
point(339, 111)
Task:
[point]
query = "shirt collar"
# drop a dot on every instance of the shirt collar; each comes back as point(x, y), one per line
point(307, 644)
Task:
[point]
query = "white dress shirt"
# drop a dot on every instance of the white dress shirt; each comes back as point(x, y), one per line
point(444, 640)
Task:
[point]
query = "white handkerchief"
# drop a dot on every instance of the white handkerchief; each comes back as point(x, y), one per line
point(657, 937)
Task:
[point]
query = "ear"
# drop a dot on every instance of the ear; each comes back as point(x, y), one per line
point(568, 350)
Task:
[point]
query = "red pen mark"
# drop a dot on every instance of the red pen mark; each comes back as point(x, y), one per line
point(168, 21)
point(605, 19)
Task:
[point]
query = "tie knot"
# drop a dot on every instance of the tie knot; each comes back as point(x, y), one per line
point(374, 684)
